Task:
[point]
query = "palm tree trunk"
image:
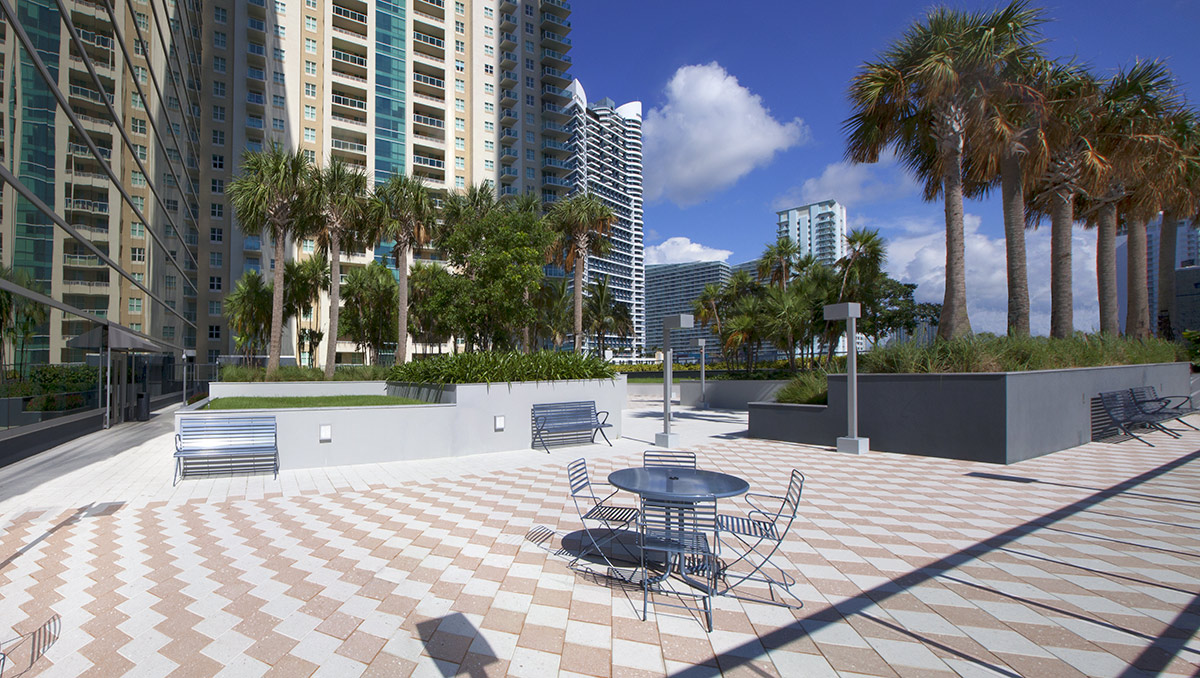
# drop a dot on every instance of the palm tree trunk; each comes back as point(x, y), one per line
point(1062, 218)
point(335, 300)
point(1137, 312)
point(954, 321)
point(275, 344)
point(580, 257)
point(402, 337)
point(1106, 269)
point(1165, 316)
point(1013, 202)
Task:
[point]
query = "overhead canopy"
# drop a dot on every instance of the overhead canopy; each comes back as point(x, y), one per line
point(119, 339)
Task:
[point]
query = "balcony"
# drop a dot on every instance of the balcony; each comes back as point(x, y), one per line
point(255, 99)
point(507, 171)
point(508, 78)
point(429, 80)
point(350, 14)
point(555, 128)
point(556, 39)
point(555, 57)
point(426, 39)
point(256, 74)
point(254, 122)
point(350, 146)
point(89, 94)
point(508, 59)
point(549, 180)
point(552, 145)
point(507, 115)
point(82, 151)
point(555, 162)
point(425, 161)
point(557, 6)
point(82, 260)
point(424, 140)
point(508, 96)
point(508, 22)
point(558, 92)
point(507, 40)
point(428, 121)
point(551, 73)
point(552, 109)
point(347, 57)
point(508, 153)
point(255, 49)
point(349, 102)
point(351, 120)
point(549, 19)
point(256, 25)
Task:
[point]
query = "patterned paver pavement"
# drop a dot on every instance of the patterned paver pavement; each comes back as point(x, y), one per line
point(1084, 562)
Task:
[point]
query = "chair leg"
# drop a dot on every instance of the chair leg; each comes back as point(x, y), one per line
point(603, 434)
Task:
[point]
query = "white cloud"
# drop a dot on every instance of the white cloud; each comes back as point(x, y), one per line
point(711, 132)
point(853, 184)
point(680, 250)
point(919, 256)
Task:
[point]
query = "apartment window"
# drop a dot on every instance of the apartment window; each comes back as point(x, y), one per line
point(308, 245)
point(489, 88)
point(310, 23)
point(137, 126)
point(218, 114)
point(278, 101)
point(310, 134)
point(528, 26)
point(135, 305)
point(139, 202)
point(529, 119)
point(281, 31)
point(277, 124)
point(489, 164)
point(214, 283)
point(460, 163)
point(529, 62)
point(139, 278)
point(310, 45)
point(279, 54)
point(310, 68)
point(310, 112)
point(137, 179)
point(460, 66)
point(529, 138)
point(529, 82)
point(173, 103)
point(218, 88)
point(489, 69)
point(488, 31)
point(218, 161)
point(280, 7)
point(137, 255)
point(311, 4)
point(140, 151)
point(219, 64)
point(168, 332)
point(460, 85)
point(214, 260)
point(216, 210)
point(218, 186)
point(214, 332)
point(214, 308)
point(460, 47)
point(216, 235)
point(460, 182)
point(220, 15)
point(489, 126)
point(460, 144)
point(460, 124)
point(172, 205)
point(460, 27)
point(135, 100)
point(139, 47)
point(460, 8)
point(310, 156)
point(529, 173)
point(487, 12)
point(460, 105)
point(278, 77)
point(489, 50)
point(218, 137)
point(489, 145)
point(137, 229)
point(141, 74)
point(310, 90)
point(489, 107)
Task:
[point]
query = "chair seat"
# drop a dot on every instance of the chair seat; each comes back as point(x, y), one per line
point(692, 543)
point(611, 514)
point(747, 527)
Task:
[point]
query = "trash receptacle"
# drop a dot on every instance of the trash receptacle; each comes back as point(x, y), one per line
point(143, 407)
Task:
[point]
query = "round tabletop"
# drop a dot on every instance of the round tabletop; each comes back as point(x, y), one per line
point(681, 483)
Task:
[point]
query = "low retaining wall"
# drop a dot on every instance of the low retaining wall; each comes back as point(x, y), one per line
point(1000, 418)
point(294, 389)
point(644, 391)
point(729, 394)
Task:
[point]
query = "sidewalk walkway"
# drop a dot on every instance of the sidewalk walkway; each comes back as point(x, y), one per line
point(1084, 562)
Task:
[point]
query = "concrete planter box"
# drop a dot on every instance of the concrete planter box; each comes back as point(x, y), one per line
point(478, 405)
point(999, 418)
point(652, 391)
point(294, 389)
point(731, 394)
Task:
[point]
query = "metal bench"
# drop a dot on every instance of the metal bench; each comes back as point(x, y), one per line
point(563, 418)
point(1178, 407)
point(225, 445)
point(1126, 414)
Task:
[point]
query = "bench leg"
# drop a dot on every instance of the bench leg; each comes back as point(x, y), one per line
point(601, 432)
point(538, 435)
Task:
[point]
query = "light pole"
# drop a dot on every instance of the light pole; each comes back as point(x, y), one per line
point(699, 343)
point(851, 442)
point(682, 321)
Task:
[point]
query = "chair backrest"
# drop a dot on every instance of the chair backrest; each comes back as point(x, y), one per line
point(1119, 405)
point(674, 522)
point(1141, 393)
point(577, 476)
point(555, 413)
point(227, 432)
point(669, 458)
point(791, 500)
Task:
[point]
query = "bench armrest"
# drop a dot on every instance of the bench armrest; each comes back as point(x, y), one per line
point(599, 421)
point(178, 442)
point(539, 423)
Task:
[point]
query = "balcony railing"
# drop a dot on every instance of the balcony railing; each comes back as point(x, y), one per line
point(254, 122)
point(352, 146)
point(257, 25)
point(350, 102)
point(428, 162)
point(88, 93)
point(558, 3)
point(555, 37)
point(349, 58)
point(426, 120)
point(255, 98)
point(554, 73)
point(81, 150)
point(96, 206)
point(349, 14)
point(345, 118)
point(557, 56)
point(555, 20)
point(554, 181)
point(558, 146)
point(429, 80)
point(428, 140)
point(256, 49)
point(428, 39)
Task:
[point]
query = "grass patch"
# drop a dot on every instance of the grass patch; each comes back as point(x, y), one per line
point(493, 366)
point(256, 403)
point(810, 388)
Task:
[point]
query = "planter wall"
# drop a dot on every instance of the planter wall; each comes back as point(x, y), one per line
point(644, 391)
point(994, 417)
point(294, 389)
point(722, 394)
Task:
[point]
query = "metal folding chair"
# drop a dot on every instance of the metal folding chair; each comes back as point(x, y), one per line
point(759, 535)
point(610, 518)
point(669, 458)
point(681, 531)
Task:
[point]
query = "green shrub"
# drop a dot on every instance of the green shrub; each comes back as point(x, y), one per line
point(810, 388)
point(989, 353)
point(493, 366)
point(51, 379)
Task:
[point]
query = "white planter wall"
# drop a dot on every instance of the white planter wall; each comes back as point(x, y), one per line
point(294, 389)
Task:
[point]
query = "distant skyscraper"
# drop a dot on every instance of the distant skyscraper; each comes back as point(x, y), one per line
point(606, 160)
point(1187, 249)
point(671, 289)
point(818, 229)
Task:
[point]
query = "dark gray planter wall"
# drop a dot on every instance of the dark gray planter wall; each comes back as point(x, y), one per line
point(729, 394)
point(998, 417)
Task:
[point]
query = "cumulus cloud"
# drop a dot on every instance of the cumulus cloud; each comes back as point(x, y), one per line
point(711, 132)
point(679, 250)
point(917, 254)
point(853, 184)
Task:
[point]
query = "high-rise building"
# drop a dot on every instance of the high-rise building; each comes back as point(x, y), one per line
point(672, 289)
point(1187, 253)
point(818, 229)
point(606, 160)
point(101, 149)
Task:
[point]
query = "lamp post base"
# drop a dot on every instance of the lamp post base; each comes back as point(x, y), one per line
point(854, 445)
point(667, 439)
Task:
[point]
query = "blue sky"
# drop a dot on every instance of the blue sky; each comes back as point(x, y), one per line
point(743, 112)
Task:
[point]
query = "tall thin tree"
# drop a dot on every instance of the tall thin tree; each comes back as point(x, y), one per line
point(581, 223)
point(340, 199)
point(402, 209)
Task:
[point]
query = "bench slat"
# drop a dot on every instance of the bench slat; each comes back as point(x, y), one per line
point(227, 444)
point(568, 417)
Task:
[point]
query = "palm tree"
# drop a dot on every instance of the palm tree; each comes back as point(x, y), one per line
point(581, 223)
point(471, 205)
point(922, 96)
point(1181, 201)
point(600, 311)
point(371, 307)
point(304, 281)
point(402, 209)
point(269, 196)
point(778, 261)
point(553, 301)
point(339, 198)
point(8, 310)
point(249, 308)
point(786, 319)
point(622, 321)
point(707, 309)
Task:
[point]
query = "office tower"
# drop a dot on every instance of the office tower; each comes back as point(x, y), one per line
point(818, 229)
point(605, 145)
point(101, 145)
point(672, 289)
